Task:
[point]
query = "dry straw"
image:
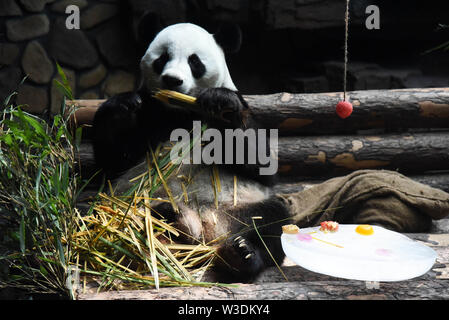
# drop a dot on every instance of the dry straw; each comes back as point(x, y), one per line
point(122, 242)
point(127, 244)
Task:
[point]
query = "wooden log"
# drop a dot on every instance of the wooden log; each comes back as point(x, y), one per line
point(81, 113)
point(439, 180)
point(314, 113)
point(303, 284)
point(318, 158)
point(325, 156)
point(314, 290)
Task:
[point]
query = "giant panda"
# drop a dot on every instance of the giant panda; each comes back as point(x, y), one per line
point(186, 58)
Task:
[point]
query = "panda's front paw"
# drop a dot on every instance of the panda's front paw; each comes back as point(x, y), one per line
point(224, 105)
point(118, 114)
point(128, 101)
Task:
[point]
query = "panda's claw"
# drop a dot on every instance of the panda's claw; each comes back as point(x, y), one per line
point(241, 247)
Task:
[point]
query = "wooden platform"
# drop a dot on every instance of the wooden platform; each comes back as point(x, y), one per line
point(312, 118)
point(305, 285)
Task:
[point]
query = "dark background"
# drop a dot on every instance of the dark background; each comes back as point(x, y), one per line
point(288, 45)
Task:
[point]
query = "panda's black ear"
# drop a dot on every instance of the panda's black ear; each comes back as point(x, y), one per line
point(229, 37)
point(148, 27)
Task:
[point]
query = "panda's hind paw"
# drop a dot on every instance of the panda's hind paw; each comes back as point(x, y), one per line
point(239, 260)
point(242, 248)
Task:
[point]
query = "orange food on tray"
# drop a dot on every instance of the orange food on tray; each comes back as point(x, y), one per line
point(329, 226)
point(364, 229)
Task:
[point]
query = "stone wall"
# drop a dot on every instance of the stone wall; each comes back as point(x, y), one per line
point(288, 45)
point(99, 59)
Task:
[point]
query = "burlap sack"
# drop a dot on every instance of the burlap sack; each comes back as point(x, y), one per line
point(377, 197)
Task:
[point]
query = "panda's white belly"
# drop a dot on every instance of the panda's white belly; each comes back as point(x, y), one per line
point(192, 189)
point(194, 183)
point(224, 190)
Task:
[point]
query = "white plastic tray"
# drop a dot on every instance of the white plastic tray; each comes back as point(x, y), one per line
point(383, 256)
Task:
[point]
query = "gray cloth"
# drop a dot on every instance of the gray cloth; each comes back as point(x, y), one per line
point(377, 197)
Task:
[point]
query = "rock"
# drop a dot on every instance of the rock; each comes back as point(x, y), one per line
point(36, 63)
point(60, 6)
point(9, 8)
point(71, 47)
point(400, 78)
point(232, 10)
point(118, 82)
point(10, 78)
point(34, 5)
point(357, 72)
point(92, 77)
point(307, 84)
point(440, 226)
point(97, 14)
point(8, 53)
point(421, 81)
point(57, 95)
point(367, 76)
point(309, 14)
point(327, 13)
point(169, 12)
point(36, 98)
point(371, 79)
point(116, 45)
point(27, 28)
point(280, 14)
point(381, 78)
point(91, 94)
point(232, 5)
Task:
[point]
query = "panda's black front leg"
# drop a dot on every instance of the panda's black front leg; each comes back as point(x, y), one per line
point(117, 138)
point(225, 106)
point(226, 109)
point(255, 247)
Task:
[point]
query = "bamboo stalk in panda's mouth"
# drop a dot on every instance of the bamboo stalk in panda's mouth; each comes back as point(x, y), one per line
point(176, 99)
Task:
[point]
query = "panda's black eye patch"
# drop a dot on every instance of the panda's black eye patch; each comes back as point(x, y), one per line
point(197, 67)
point(159, 63)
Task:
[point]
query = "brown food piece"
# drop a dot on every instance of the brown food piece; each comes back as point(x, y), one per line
point(290, 229)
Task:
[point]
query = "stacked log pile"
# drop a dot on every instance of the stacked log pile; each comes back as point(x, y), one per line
point(405, 130)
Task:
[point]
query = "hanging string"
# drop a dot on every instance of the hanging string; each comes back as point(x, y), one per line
point(346, 49)
point(344, 108)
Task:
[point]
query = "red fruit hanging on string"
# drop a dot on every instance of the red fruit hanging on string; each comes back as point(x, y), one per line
point(344, 109)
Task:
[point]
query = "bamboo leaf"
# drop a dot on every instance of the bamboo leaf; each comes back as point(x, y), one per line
point(119, 248)
point(150, 238)
point(64, 90)
point(65, 83)
point(36, 125)
point(22, 233)
point(38, 180)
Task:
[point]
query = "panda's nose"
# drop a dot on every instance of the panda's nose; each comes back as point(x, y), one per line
point(172, 82)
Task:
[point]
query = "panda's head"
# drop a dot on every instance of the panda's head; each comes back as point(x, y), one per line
point(186, 58)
